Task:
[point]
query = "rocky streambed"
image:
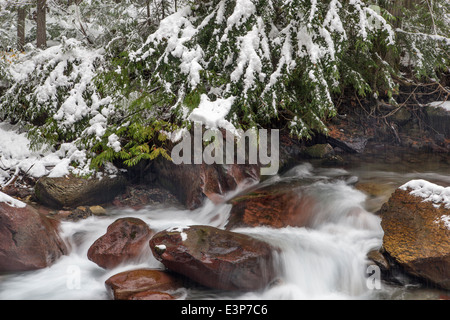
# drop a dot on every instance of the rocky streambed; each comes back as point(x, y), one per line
point(316, 230)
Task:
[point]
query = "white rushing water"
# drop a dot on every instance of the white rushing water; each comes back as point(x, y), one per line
point(326, 260)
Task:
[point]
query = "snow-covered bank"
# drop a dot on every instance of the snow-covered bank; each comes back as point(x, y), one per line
point(16, 156)
point(11, 201)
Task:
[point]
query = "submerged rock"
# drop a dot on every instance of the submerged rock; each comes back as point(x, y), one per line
point(79, 213)
point(215, 258)
point(28, 239)
point(416, 224)
point(125, 239)
point(73, 191)
point(142, 284)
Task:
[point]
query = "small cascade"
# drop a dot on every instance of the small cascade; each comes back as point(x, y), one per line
point(324, 260)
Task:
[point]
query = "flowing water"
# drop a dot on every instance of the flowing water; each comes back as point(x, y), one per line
point(326, 260)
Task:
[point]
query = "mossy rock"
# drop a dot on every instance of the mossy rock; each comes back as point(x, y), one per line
point(71, 191)
point(319, 151)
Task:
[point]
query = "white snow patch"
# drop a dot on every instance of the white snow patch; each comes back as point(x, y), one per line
point(11, 201)
point(434, 193)
point(441, 104)
point(242, 11)
point(212, 113)
point(16, 155)
point(249, 63)
point(176, 135)
point(176, 30)
point(55, 61)
point(61, 169)
point(113, 142)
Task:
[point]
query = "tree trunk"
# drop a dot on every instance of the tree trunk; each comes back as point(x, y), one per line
point(41, 30)
point(21, 14)
point(163, 8)
point(148, 11)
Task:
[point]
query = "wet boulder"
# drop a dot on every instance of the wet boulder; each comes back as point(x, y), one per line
point(242, 175)
point(71, 191)
point(28, 239)
point(276, 205)
point(416, 225)
point(215, 258)
point(191, 184)
point(125, 239)
point(187, 182)
point(319, 151)
point(142, 284)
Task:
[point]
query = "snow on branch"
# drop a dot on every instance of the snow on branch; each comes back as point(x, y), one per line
point(247, 50)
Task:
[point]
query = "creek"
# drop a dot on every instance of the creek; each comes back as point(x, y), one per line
point(326, 260)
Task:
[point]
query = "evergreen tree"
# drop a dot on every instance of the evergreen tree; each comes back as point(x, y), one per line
point(117, 80)
point(277, 61)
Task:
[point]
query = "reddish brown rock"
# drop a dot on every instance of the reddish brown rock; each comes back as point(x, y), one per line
point(74, 191)
point(213, 182)
point(183, 181)
point(151, 295)
point(215, 258)
point(416, 236)
point(243, 174)
point(278, 205)
point(125, 239)
point(191, 184)
point(142, 284)
point(28, 239)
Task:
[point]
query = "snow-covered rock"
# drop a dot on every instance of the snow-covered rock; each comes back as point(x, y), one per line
point(416, 228)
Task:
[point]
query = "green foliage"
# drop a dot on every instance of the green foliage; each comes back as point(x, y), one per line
point(140, 142)
point(281, 61)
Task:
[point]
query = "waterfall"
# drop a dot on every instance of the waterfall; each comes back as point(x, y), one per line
point(324, 260)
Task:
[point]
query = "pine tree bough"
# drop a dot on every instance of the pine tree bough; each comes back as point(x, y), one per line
point(272, 65)
point(229, 63)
